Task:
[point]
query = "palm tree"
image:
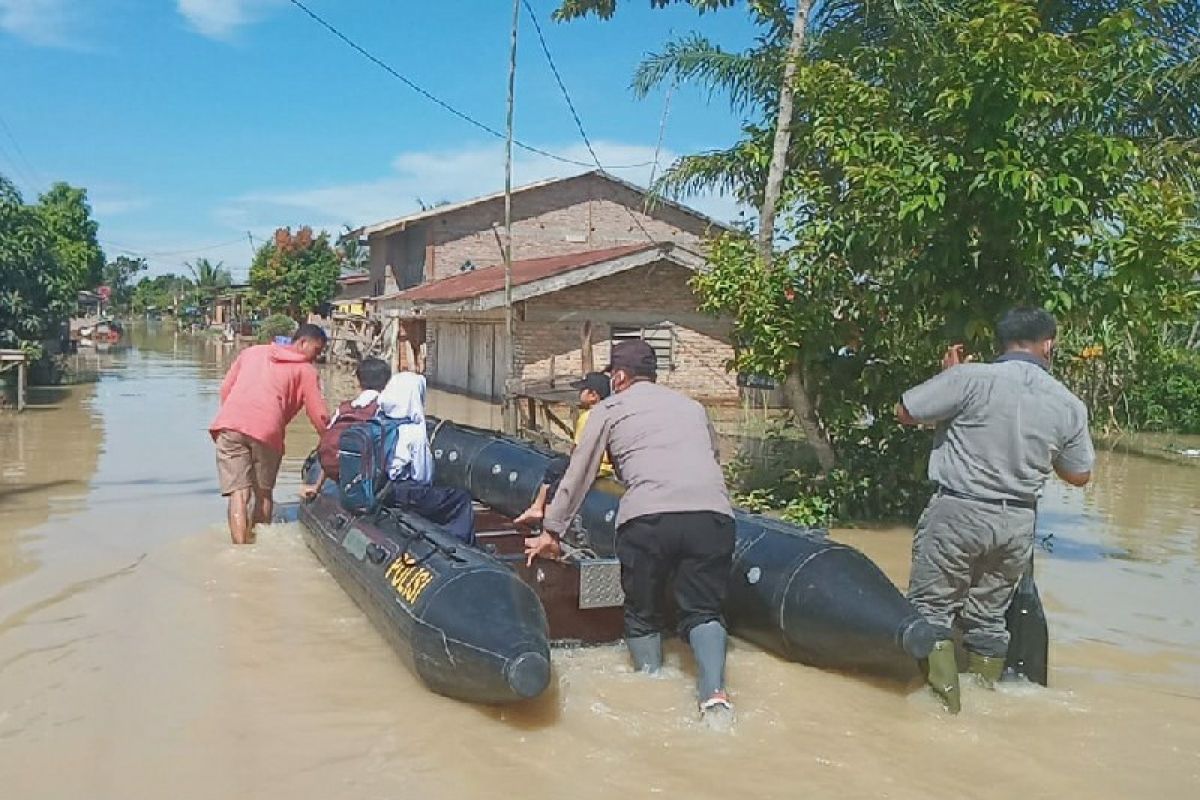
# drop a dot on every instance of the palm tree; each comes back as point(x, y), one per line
point(351, 252)
point(1168, 91)
point(209, 278)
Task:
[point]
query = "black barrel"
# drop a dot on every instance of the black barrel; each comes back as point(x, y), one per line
point(465, 624)
point(792, 590)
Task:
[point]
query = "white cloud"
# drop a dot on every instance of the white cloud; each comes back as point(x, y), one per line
point(431, 175)
point(167, 251)
point(45, 22)
point(114, 200)
point(436, 175)
point(220, 19)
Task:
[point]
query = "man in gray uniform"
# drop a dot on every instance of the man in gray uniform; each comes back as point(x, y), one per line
point(1001, 429)
point(674, 524)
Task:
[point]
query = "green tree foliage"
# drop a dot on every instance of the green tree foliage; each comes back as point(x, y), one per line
point(65, 211)
point(118, 277)
point(36, 293)
point(295, 273)
point(162, 293)
point(275, 325)
point(943, 167)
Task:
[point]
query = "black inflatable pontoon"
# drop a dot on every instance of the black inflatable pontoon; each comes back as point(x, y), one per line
point(473, 623)
point(792, 591)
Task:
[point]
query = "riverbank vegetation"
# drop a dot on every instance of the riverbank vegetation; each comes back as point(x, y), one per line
point(48, 254)
point(947, 161)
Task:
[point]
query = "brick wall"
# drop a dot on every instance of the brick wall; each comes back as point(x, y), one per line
point(571, 216)
point(647, 296)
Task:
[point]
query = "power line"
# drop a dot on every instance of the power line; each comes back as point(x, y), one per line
point(662, 129)
point(575, 114)
point(129, 251)
point(32, 173)
point(442, 103)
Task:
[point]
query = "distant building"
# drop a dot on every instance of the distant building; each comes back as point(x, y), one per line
point(352, 294)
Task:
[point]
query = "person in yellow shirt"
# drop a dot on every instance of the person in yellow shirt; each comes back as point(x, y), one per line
point(593, 388)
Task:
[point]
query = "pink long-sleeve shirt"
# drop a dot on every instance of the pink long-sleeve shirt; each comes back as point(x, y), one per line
point(265, 388)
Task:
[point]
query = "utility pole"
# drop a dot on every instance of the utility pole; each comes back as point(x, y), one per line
point(510, 403)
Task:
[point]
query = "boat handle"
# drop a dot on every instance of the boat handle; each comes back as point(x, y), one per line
point(376, 553)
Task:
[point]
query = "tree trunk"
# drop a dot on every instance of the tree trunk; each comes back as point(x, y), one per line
point(800, 399)
point(783, 137)
point(795, 387)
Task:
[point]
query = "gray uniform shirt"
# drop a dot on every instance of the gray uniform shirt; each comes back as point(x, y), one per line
point(663, 448)
point(1001, 428)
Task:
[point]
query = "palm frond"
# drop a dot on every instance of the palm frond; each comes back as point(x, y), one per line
point(747, 79)
point(736, 171)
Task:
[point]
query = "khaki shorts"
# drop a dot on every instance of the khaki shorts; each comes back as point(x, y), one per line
point(245, 463)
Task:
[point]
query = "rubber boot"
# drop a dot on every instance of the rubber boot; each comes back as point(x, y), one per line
point(986, 669)
point(942, 675)
point(646, 652)
point(708, 644)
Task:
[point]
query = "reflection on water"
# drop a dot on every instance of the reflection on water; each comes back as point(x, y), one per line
point(142, 656)
point(47, 456)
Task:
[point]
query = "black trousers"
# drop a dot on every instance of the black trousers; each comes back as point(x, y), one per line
point(447, 506)
point(690, 553)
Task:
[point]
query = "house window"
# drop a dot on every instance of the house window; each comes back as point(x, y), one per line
point(660, 337)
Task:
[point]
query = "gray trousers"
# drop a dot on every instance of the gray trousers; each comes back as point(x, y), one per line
point(967, 558)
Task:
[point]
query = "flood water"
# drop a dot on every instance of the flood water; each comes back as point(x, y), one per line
point(141, 656)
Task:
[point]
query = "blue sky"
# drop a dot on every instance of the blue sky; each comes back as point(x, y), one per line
point(193, 122)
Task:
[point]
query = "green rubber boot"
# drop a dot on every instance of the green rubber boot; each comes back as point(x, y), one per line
point(986, 669)
point(942, 675)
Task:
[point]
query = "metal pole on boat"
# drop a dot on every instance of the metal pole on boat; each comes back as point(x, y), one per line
point(510, 405)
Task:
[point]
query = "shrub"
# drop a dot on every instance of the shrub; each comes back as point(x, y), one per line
point(276, 325)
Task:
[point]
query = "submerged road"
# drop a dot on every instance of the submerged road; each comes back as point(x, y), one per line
point(143, 657)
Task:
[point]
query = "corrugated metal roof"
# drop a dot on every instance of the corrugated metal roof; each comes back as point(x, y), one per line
point(491, 279)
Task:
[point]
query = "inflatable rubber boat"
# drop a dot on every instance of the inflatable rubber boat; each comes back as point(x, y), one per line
point(792, 590)
point(476, 623)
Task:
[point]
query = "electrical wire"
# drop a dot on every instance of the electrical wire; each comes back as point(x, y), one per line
point(575, 114)
point(442, 103)
point(130, 251)
point(32, 172)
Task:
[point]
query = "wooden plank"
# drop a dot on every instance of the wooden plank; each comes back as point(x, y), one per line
point(481, 355)
point(585, 347)
point(500, 364)
point(453, 366)
point(550, 415)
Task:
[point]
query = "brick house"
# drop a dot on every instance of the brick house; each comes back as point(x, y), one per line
point(592, 264)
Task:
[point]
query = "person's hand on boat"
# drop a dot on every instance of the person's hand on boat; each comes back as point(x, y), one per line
point(544, 545)
point(308, 492)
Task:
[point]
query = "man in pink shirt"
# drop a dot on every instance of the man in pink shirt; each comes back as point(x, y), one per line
point(264, 390)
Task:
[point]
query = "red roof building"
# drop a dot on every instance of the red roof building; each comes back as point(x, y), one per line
point(594, 262)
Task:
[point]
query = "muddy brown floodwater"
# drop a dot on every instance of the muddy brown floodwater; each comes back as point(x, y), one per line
point(141, 656)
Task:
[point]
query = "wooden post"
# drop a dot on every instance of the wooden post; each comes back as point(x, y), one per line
point(20, 386)
point(586, 357)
